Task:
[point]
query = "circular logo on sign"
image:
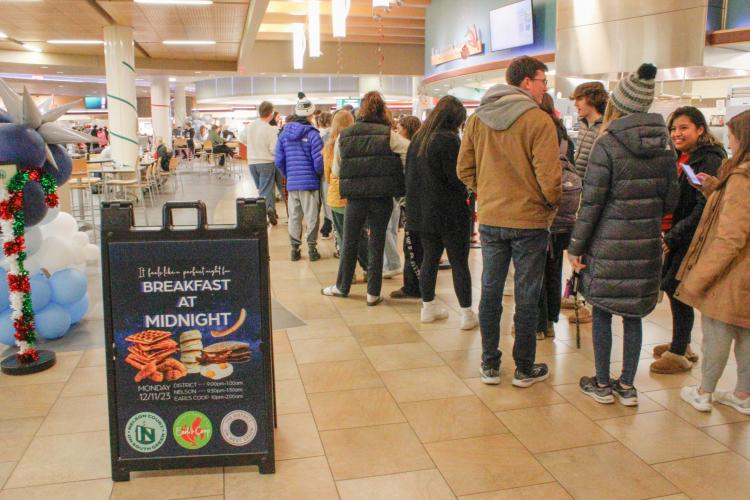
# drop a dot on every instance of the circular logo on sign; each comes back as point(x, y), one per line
point(245, 428)
point(192, 430)
point(145, 432)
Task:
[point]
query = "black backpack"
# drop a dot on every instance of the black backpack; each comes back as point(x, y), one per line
point(572, 186)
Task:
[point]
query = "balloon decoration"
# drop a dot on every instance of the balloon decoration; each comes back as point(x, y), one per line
point(30, 140)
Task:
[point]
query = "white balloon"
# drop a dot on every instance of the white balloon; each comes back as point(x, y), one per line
point(92, 253)
point(33, 237)
point(52, 214)
point(55, 254)
point(79, 240)
point(64, 226)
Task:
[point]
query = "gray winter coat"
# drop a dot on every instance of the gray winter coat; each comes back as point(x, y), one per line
point(587, 134)
point(630, 183)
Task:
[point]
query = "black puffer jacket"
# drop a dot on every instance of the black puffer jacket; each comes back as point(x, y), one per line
point(630, 183)
point(688, 213)
point(435, 198)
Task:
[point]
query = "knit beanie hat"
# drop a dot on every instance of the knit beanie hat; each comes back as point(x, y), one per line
point(304, 106)
point(635, 93)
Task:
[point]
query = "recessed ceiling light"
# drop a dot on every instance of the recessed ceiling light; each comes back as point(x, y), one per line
point(60, 73)
point(30, 47)
point(76, 42)
point(3, 35)
point(172, 79)
point(198, 72)
point(175, 2)
point(188, 42)
point(45, 67)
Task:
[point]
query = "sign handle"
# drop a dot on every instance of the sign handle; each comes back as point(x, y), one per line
point(168, 220)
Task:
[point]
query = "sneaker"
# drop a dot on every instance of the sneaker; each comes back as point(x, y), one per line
point(312, 254)
point(432, 312)
point(392, 273)
point(332, 291)
point(373, 301)
point(273, 218)
point(538, 372)
point(728, 398)
point(489, 376)
point(326, 236)
point(469, 319)
point(599, 394)
point(296, 254)
point(336, 255)
point(626, 396)
point(701, 402)
point(401, 294)
point(550, 331)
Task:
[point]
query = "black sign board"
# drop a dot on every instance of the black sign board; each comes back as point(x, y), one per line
point(187, 314)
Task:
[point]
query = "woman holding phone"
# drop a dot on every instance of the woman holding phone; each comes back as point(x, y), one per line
point(714, 275)
point(702, 152)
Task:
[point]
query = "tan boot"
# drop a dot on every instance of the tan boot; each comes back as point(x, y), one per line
point(690, 355)
point(671, 363)
point(661, 349)
point(584, 316)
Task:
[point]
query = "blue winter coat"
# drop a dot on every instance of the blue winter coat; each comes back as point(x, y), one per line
point(299, 158)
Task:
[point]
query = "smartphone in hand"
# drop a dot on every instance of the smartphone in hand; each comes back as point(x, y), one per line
point(691, 174)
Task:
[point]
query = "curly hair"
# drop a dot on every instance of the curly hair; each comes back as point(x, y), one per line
point(594, 93)
point(410, 124)
point(372, 108)
point(521, 68)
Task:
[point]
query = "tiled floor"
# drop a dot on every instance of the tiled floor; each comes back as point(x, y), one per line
point(374, 405)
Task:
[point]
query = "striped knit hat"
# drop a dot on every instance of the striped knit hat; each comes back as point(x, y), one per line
point(635, 93)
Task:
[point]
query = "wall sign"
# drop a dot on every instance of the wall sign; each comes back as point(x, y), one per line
point(187, 315)
point(470, 46)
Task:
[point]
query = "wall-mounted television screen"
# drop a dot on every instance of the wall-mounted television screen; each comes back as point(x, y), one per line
point(93, 102)
point(512, 26)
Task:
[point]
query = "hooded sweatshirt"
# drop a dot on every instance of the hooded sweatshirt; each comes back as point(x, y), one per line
point(509, 156)
point(299, 156)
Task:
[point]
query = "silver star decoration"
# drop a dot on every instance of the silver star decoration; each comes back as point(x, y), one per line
point(24, 111)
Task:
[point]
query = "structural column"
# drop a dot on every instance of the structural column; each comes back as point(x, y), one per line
point(180, 113)
point(121, 97)
point(160, 110)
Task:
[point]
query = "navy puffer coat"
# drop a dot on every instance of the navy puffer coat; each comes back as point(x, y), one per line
point(630, 183)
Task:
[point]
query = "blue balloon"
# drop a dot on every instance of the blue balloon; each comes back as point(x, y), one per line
point(40, 291)
point(4, 292)
point(34, 207)
point(77, 310)
point(7, 331)
point(52, 322)
point(64, 165)
point(21, 145)
point(68, 286)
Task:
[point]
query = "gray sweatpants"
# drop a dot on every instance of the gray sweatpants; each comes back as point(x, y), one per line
point(304, 205)
point(717, 341)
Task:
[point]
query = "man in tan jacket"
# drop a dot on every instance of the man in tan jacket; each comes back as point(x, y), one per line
point(510, 157)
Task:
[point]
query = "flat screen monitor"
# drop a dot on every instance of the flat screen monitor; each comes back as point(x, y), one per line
point(93, 102)
point(512, 26)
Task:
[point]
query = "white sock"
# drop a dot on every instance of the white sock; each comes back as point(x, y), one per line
point(466, 310)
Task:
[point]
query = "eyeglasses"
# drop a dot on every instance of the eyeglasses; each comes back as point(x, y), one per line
point(540, 80)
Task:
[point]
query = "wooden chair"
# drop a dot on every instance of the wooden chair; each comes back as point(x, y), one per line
point(171, 174)
point(82, 183)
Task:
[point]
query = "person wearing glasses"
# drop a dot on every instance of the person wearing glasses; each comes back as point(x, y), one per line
point(509, 157)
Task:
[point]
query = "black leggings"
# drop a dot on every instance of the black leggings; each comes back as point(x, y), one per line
point(457, 246)
point(375, 212)
point(683, 318)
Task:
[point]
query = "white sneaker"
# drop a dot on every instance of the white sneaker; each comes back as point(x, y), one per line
point(701, 402)
point(469, 319)
point(432, 312)
point(728, 398)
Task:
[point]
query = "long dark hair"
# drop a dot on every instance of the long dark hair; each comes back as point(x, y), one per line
point(548, 106)
point(449, 114)
point(699, 120)
point(739, 125)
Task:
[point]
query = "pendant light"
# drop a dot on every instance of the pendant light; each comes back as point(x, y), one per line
point(339, 12)
point(313, 27)
point(298, 45)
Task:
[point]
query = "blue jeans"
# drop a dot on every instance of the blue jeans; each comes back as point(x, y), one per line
point(391, 259)
point(264, 175)
point(602, 333)
point(528, 249)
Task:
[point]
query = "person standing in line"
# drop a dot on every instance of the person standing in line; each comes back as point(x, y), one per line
point(436, 207)
point(369, 159)
point(407, 127)
point(391, 258)
point(336, 202)
point(324, 127)
point(630, 184)
point(551, 297)
point(714, 275)
point(509, 157)
point(189, 134)
point(590, 101)
point(703, 152)
point(299, 158)
point(260, 137)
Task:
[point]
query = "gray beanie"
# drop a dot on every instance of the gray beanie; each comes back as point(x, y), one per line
point(635, 93)
point(304, 106)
